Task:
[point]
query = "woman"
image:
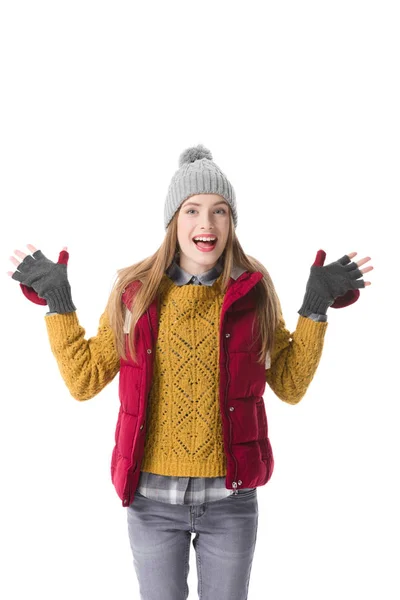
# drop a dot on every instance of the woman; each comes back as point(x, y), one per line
point(195, 330)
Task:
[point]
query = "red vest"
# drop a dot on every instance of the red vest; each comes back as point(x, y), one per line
point(248, 451)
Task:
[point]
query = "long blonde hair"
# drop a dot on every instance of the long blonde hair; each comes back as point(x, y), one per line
point(151, 270)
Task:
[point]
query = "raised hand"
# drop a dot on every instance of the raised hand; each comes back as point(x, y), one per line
point(336, 284)
point(42, 281)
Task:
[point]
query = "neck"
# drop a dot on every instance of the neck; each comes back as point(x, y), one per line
point(192, 267)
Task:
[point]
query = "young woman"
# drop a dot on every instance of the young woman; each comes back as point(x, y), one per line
point(195, 331)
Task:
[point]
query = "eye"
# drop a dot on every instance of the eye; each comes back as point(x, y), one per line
point(190, 209)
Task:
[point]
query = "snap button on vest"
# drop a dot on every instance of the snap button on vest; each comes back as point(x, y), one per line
point(227, 335)
point(148, 350)
point(231, 408)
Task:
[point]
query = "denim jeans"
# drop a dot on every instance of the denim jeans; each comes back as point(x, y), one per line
point(226, 533)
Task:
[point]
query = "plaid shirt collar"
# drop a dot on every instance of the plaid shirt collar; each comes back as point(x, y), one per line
point(181, 277)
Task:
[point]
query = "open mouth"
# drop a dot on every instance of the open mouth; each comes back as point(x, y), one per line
point(205, 246)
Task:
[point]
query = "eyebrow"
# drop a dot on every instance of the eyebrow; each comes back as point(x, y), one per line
point(197, 204)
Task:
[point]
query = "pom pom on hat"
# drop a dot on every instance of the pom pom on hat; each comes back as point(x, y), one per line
point(194, 153)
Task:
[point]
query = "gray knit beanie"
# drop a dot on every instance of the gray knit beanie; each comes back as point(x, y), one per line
point(197, 174)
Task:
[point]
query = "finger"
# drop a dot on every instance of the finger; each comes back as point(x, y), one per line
point(319, 258)
point(18, 276)
point(31, 247)
point(354, 273)
point(38, 255)
point(15, 261)
point(19, 253)
point(63, 257)
point(359, 283)
point(352, 266)
point(10, 273)
point(351, 254)
point(366, 269)
point(363, 260)
point(346, 259)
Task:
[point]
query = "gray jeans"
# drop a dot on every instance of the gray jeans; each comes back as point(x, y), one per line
point(226, 533)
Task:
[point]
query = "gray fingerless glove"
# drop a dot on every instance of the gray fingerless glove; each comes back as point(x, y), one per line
point(325, 284)
point(48, 279)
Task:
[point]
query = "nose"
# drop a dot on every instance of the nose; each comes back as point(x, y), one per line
point(207, 220)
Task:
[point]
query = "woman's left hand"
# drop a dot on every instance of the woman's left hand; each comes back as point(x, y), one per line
point(337, 284)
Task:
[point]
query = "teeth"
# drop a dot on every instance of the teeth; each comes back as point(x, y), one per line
point(204, 239)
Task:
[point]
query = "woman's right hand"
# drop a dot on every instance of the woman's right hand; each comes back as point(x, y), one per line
point(43, 281)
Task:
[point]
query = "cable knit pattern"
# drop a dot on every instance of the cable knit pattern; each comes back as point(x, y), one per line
point(85, 365)
point(184, 435)
point(295, 358)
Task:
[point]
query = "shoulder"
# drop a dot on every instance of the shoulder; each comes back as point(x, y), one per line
point(129, 292)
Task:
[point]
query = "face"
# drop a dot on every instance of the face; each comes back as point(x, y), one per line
point(199, 215)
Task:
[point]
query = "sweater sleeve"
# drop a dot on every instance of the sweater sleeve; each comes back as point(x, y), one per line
point(86, 365)
point(295, 358)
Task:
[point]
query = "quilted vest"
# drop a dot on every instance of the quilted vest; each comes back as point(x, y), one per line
point(247, 447)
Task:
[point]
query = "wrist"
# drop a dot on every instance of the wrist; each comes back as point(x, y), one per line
point(60, 300)
point(314, 303)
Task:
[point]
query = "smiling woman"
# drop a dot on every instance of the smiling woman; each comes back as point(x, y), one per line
point(195, 331)
point(209, 220)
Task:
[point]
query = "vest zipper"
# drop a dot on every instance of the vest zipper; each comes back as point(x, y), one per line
point(135, 465)
point(151, 330)
point(227, 412)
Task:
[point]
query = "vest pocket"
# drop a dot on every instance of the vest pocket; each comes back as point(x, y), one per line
point(262, 430)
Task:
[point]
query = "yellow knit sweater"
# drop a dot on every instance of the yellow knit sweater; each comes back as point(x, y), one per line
point(184, 428)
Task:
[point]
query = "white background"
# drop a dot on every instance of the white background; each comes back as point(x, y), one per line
point(299, 104)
